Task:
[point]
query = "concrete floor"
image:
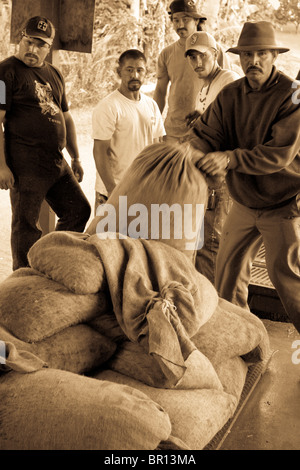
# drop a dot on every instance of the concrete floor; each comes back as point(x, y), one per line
point(270, 419)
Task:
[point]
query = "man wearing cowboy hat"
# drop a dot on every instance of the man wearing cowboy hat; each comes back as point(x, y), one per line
point(252, 132)
point(172, 69)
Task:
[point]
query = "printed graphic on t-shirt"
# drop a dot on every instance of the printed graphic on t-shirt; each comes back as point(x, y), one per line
point(45, 97)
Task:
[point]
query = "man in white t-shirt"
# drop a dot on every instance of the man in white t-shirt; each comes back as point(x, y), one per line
point(201, 53)
point(172, 70)
point(124, 122)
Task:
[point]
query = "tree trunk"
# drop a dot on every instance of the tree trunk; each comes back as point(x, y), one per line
point(210, 9)
point(135, 8)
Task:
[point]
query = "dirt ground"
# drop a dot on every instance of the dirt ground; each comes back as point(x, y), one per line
point(288, 63)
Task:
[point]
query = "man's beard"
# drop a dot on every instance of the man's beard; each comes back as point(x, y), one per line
point(134, 85)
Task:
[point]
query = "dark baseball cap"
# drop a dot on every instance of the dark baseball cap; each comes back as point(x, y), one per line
point(185, 6)
point(40, 28)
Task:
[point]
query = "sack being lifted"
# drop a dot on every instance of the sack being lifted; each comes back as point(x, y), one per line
point(162, 196)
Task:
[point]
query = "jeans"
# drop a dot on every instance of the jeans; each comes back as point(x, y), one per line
point(219, 203)
point(64, 195)
point(243, 233)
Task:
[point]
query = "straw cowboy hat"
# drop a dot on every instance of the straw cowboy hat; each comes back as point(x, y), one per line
point(257, 36)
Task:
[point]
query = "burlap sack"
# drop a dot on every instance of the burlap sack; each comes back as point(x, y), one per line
point(196, 415)
point(65, 257)
point(33, 307)
point(161, 197)
point(56, 410)
point(77, 349)
point(232, 331)
point(131, 360)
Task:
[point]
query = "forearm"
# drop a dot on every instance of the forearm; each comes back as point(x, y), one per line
point(2, 151)
point(101, 156)
point(7, 180)
point(160, 99)
point(160, 92)
point(71, 145)
point(3, 163)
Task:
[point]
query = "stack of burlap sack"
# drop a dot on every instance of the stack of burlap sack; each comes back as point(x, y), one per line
point(119, 343)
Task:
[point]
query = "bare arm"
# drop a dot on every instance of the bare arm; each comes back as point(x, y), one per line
point(160, 92)
point(7, 180)
point(101, 155)
point(72, 146)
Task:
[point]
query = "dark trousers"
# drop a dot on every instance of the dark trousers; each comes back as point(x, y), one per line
point(62, 192)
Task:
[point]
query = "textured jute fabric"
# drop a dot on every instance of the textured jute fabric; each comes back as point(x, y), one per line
point(162, 176)
point(56, 410)
point(195, 415)
point(66, 258)
point(233, 331)
point(132, 360)
point(78, 349)
point(158, 297)
point(33, 307)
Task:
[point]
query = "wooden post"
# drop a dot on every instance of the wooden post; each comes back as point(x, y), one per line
point(135, 8)
point(74, 24)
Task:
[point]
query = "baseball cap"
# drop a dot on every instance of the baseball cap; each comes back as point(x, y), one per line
point(185, 6)
point(40, 28)
point(200, 41)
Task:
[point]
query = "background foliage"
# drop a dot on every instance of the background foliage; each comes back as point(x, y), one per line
point(89, 77)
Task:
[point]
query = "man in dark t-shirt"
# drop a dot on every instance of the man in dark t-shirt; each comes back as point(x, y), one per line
point(37, 127)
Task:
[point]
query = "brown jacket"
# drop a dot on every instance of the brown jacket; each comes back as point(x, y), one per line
point(260, 131)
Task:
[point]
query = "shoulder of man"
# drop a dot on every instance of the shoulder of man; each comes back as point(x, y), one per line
point(287, 87)
point(54, 69)
point(168, 49)
point(147, 99)
point(109, 98)
point(284, 79)
point(231, 79)
point(108, 102)
point(229, 75)
point(9, 62)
